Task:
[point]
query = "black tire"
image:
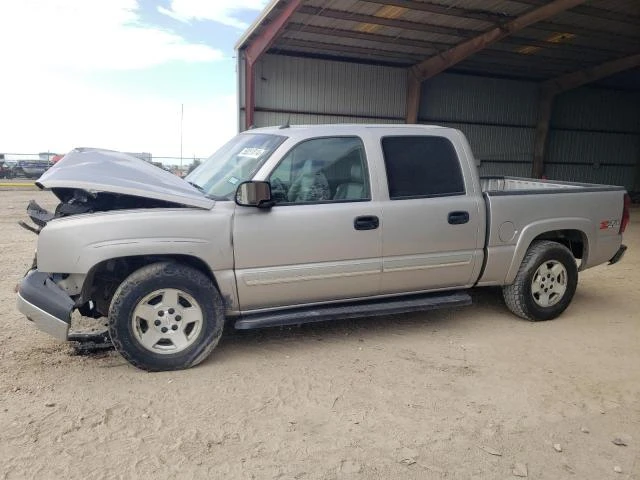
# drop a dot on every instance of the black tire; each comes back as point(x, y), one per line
point(158, 276)
point(519, 296)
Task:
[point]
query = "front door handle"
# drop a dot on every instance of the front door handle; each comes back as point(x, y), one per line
point(366, 222)
point(458, 218)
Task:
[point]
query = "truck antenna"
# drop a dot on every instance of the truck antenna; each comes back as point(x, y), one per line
point(287, 124)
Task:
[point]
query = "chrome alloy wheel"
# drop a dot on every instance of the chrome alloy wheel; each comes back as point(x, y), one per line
point(549, 283)
point(167, 321)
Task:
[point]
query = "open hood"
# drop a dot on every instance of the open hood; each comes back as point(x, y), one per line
point(97, 170)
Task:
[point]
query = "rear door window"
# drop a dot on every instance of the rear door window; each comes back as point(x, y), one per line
point(421, 166)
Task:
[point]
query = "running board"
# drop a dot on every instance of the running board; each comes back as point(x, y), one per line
point(386, 306)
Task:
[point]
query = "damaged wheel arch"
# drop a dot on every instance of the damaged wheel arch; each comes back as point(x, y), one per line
point(103, 279)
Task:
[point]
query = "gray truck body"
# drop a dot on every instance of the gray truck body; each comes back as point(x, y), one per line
point(300, 255)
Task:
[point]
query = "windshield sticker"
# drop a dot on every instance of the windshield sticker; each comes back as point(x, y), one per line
point(233, 180)
point(251, 152)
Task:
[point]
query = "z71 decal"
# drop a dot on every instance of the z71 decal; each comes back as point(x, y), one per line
point(607, 224)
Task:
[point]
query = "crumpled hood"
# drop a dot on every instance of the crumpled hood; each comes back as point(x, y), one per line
point(98, 170)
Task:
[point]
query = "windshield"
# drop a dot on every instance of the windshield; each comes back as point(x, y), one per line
point(235, 162)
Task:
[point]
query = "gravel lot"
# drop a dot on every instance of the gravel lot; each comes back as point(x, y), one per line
point(466, 393)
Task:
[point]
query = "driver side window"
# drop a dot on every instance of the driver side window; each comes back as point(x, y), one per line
point(330, 169)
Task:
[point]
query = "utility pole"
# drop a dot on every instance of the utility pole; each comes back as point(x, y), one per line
point(181, 118)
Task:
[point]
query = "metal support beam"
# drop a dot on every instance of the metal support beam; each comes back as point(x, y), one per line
point(386, 22)
point(596, 12)
point(494, 17)
point(362, 52)
point(258, 46)
point(413, 97)
point(545, 109)
point(577, 79)
point(438, 63)
point(434, 65)
point(337, 34)
point(387, 42)
point(249, 94)
point(448, 10)
point(555, 86)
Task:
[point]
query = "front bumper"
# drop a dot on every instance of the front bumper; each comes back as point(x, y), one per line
point(619, 254)
point(45, 304)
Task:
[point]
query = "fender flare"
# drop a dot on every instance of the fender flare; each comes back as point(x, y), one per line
point(535, 229)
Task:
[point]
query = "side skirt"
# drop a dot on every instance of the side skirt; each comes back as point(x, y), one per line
point(321, 313)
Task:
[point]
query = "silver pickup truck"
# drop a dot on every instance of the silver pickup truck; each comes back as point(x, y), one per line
point(288, 225)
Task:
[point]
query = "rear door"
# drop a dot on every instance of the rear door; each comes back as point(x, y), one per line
point(432, 223)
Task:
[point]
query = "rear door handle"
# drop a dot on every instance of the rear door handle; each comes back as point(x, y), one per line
point(366, 222)
point(458, 218)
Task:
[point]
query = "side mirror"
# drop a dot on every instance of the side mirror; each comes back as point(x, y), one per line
point(254, 194)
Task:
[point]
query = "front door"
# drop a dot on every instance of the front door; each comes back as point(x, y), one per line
point(322, 239)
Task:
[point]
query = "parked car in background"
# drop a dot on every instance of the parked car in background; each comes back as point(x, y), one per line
point(30, 168)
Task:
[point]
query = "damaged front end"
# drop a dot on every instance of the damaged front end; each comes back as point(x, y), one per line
point(49, 299)
point(87, 182)
point(76, 202)
point(47, 305)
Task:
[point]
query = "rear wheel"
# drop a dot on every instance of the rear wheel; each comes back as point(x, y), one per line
point(545, 283)
point(166, 316)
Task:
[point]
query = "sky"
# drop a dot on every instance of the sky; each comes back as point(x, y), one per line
point(114, 74)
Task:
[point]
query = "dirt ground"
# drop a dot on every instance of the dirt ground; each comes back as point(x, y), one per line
point(457, 394)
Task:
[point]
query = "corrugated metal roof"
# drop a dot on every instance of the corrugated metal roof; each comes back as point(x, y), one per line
point(628, 8)
point(505, 7)
point(404, 32)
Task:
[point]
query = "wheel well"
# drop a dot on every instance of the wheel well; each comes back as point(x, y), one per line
point(574, 240)
point(105, 277)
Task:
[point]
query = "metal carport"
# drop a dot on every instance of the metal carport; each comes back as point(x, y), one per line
point(541, 88)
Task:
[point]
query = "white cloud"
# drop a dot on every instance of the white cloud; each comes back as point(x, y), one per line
point(220, 11)
point(47, 102)
point(172, 14)
point(88, 34)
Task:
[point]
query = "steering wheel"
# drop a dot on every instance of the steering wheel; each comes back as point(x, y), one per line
point(279, 190)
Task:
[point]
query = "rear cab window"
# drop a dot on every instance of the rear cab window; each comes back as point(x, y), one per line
point(421, 166)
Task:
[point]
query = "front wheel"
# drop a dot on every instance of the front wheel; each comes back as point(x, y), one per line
point(166, 316)
point(545, 283)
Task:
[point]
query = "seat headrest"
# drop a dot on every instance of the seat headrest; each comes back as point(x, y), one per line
point(311, 166)
point(356, 173)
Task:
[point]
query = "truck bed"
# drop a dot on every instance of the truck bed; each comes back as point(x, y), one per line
point(522, 209)
point(494, 185)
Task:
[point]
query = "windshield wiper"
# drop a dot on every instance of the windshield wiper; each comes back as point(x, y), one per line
point(201, 189)
point(193, 184)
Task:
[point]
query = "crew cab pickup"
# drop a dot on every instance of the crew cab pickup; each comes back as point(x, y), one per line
point(296, 224)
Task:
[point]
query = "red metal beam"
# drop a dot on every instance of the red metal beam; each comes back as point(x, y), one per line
point(258, 46)
point(448, 10)
point(545, 109)
point(442, 61)
point(436, 64)
point(249, 94)
point(413, 97)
